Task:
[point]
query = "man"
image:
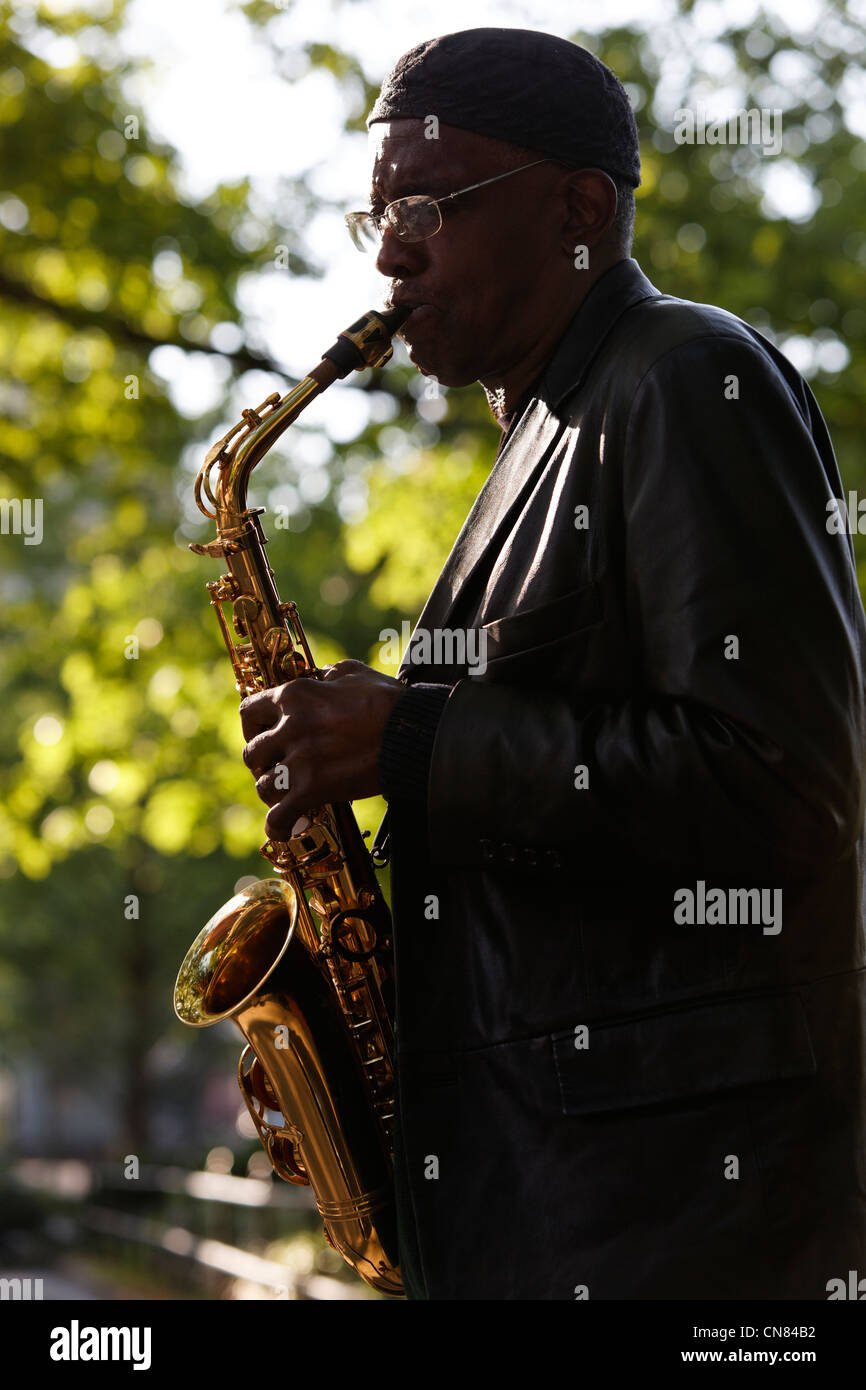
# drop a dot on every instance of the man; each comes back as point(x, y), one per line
point(627, 853)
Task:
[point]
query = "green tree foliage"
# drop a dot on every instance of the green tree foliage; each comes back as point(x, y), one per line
point(121, 743)
point(704, 229)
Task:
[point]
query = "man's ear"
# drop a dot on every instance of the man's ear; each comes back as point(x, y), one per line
point(590, 201)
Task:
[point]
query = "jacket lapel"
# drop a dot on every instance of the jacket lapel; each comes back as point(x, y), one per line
point(457, 592)
point(493, 512)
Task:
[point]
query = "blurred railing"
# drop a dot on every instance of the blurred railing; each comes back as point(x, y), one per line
point(208, 1234)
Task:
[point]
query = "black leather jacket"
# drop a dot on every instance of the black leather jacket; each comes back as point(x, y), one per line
point(623, 1102)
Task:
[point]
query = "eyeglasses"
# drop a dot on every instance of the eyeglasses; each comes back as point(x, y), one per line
point(415, 218)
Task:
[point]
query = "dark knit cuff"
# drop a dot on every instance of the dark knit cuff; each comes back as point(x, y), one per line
point(407, 743)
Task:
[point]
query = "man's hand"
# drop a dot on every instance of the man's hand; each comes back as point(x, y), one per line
point(315, 741)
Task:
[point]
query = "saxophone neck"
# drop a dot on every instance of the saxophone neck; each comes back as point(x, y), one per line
point(263, 427)
point(365, 343)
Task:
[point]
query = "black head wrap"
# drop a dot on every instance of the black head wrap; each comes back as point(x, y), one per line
point(523, 87)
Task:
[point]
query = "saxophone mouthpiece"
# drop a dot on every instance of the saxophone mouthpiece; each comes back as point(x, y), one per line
point(394, 318)
point(366, 343)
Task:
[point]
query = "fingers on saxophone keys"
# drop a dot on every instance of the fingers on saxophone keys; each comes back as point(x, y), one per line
point(263, 750)
point(265, 789)
point(260, 712)
point(345, 667)
point(280, 819)
point(272, 787)
point(252, 758)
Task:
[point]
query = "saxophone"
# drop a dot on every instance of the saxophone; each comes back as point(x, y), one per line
point(302, 962)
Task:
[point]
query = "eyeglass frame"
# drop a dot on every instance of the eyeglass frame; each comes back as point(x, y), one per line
point(352, 218)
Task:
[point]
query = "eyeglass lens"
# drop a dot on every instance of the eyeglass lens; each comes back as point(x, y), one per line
point(414, 218)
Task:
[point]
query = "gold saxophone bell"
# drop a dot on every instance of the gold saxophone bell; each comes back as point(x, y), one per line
point(249, 965)
point(302, 963)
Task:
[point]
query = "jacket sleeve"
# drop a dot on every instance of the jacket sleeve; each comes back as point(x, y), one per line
point(740, 741)
point(407, 742)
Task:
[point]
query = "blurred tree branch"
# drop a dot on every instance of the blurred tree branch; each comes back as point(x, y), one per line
point(120, 331)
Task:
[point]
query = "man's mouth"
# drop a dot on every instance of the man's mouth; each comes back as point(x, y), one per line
point(420, 314)
point(407, 301)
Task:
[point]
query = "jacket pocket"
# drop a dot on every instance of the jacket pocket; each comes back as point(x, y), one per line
point(562, 618)
point(689, 1051)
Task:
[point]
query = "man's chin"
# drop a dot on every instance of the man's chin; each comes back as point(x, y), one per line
point(436, 360)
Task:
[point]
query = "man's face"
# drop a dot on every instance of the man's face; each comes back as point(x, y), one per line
point(487, 278)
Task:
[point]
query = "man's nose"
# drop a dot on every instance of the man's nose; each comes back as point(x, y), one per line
point(399, 260)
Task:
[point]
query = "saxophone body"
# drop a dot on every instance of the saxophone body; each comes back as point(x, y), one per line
point(302, 962)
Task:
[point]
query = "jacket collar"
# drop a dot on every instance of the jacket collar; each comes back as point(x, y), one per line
point(618, 289)
point(511, 477)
